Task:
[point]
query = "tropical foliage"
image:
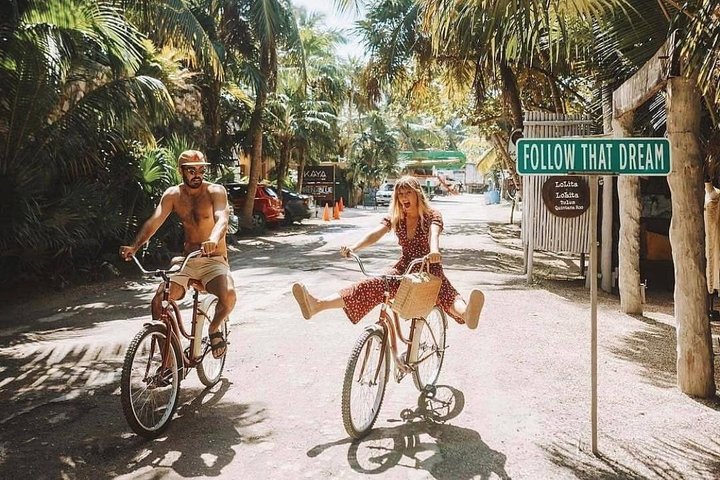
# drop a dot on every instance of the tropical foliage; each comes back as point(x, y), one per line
point(98, 98)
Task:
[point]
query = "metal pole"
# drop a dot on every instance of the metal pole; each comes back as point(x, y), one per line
point(593, 307)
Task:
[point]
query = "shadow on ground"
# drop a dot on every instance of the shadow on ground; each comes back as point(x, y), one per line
point(100, 437)
point(451, 452)
point(668, 458)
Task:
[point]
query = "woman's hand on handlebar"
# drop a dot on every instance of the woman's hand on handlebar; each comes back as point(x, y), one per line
point(345, 251)
point(127, 252)
point(434, 257)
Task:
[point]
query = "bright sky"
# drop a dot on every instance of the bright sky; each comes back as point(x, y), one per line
point(339, 21)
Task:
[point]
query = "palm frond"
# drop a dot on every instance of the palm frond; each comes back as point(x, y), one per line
point(172, 22)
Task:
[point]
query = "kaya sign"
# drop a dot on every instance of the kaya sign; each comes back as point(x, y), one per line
point(319, 181)
point(606, 156)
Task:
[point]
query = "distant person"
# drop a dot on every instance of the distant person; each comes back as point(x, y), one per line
point(418, 228)
point(203, 209)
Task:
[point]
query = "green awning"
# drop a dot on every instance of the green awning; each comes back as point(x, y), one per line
point(443, 159)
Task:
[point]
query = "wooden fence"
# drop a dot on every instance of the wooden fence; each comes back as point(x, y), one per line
point(541, 230)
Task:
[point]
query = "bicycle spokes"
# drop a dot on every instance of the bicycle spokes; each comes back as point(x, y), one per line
point(364, 385)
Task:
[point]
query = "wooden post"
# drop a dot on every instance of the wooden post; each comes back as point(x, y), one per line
point(606, 245)
point(629, 245)
point(530, 239)
point(694, 343)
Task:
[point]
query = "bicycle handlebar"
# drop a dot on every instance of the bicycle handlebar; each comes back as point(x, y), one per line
point(414, 262)
point(160, 272)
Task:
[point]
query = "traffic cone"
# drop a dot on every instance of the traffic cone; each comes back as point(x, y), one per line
point(326, 213)
point(342, 205)
point(336, 212)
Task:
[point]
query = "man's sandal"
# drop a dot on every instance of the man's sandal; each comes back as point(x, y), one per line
point(222, 344)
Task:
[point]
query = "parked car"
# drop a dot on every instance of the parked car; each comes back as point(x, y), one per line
point(383, 196)
point(297, 206)
point(267, 207)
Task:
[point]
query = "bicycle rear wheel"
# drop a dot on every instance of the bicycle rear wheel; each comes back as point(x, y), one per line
point(366, 376)
point(211, 368)
point(149, 387)
point(428, 348)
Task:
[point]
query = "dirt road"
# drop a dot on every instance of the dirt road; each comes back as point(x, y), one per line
point(519, 385)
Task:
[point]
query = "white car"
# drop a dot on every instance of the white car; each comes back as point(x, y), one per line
point(384, 194)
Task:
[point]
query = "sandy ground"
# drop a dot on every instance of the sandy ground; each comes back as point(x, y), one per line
point(516, 390)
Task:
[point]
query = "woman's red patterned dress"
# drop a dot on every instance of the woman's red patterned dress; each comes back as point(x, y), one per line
point(362, 297)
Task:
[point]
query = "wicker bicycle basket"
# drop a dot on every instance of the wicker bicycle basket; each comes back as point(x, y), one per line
point(416, 294)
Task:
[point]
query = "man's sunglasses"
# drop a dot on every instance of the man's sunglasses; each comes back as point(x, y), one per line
point(195, 171)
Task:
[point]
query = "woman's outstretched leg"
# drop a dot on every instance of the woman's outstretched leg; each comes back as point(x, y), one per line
point(310, 305)
point(470, 311)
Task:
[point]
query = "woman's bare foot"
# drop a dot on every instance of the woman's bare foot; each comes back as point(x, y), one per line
point(474, 307)
point(303, 299)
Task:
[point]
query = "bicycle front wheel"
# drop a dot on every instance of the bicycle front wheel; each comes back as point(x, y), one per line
point(428, 348)
point(366, 375)
point(211, 368)
point(150, 386)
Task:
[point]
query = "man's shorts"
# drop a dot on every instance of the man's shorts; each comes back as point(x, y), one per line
point(202, 269)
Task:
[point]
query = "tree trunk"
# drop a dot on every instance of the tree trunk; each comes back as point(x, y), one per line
point(211, 112)
point(282, 165)
point(556, 96)
point(500, 145)
point(301, 168)
point(629, 247)
point(511, 94)
point(255, 132)
point(694, 343)
point(256, 135)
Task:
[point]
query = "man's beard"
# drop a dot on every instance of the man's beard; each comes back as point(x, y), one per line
point(190, 185)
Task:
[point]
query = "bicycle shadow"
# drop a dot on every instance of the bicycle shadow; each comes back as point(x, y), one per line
point(452, 452)
point(200, 438)
point(87, 437)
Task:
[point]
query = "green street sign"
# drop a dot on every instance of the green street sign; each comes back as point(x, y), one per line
point(593, 156)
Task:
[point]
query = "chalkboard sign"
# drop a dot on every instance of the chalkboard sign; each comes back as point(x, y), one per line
point(319, 181)
point(566, 196)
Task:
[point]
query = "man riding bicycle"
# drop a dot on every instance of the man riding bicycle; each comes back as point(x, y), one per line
point(203, 210)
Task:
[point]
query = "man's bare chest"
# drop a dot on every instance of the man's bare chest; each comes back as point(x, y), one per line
point(194, 210)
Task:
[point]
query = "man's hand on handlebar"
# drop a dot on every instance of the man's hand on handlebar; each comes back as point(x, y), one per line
point(208, 247)
point(127, 252)
point(345, 251)
point(434, 257)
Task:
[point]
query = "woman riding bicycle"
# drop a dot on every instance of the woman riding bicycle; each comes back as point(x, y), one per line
point(418, 228)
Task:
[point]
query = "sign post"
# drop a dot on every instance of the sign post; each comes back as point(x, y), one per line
point(593, 157)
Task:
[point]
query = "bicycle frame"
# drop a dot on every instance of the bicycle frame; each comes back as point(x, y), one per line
point(173, 321)
point(393, 330)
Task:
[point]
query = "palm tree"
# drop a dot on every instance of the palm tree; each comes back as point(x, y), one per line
point(376, 148)
point(72, 93)
point(294, 122)
point(273, 26)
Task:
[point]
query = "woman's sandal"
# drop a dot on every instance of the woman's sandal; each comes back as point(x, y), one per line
point(474, 307)
point(300, 294)
point(218, 345)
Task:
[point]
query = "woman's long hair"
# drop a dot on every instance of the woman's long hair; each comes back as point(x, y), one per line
point(408, 182)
